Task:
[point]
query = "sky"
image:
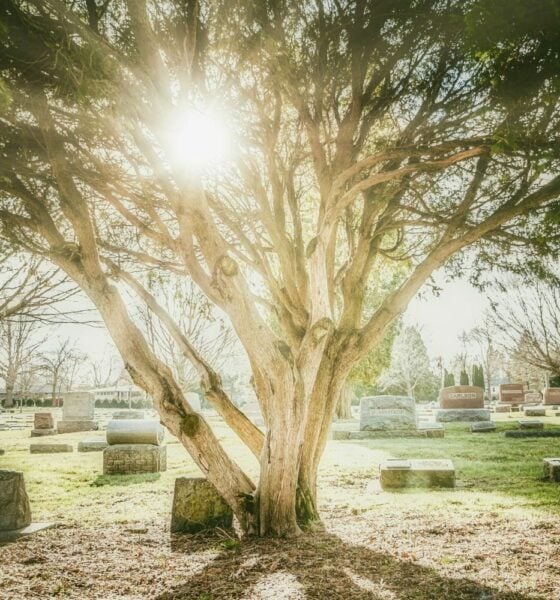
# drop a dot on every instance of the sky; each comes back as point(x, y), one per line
point(458, 307)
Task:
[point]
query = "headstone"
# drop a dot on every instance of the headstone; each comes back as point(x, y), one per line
point(552, 469)
point(197, 506)
point(92, 445)
point(43, 424)
point(432, 430)
point(129, 459)
point(50, 448)
point(483, 427)
point(15, 511)
point(458, 415)
point(502, 408)
point(397, 473)
point(387, 413)
point(536, 411)
point(533, 433)
point(128, 414)
point(551, 395)
point(512, 393)
point(135, 432)
point(77, 412)
point(530, 424)
point(461, 396)
point(533, 397)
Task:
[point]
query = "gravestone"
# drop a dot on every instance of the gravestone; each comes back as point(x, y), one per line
point(530, 424)
point(483, 427)
point(77, 412)
point(533, 397)
point(432, 430)
point(134, 446)
point(15, 512)
point(502, 408)
point(551, 395)
point(197, 505)
point(535, 411)
point(462, 415)
point(92, 445)
point(552, 469)
point(387, 413)
point(461, 396)
point(398, 473)
point(512, 393)
point(128, 414)
point(130, 459)
point(43, 424)
point(50, 448)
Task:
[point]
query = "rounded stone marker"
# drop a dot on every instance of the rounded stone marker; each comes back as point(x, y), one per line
point(15, 511)
point(128, 431)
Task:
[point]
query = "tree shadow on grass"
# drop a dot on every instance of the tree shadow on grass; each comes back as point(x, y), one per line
point(124, 480)
point(316, 566)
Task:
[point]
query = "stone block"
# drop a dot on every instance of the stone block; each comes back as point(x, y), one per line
point(432, 430)
point(15, 511)
point(533, 433)
point(76, 426)
point(198, 506)
point(135, 432)
point(536, 411)
point(483, 427)
point(530, 424)
point(78, 406)
point(551, 395)
point(128, 414)
point(462, 396)
point(43, 420)
point(462, 415)
point(50, 448)
point(92, 446)
point(502, 408)
point(42, 432)
point(512, 393)
point(397, 473)
point(382, 413)
point(552, 469)
point(128, 459)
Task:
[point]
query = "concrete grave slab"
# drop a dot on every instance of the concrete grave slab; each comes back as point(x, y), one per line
point(535, 411)
point(523, 424)
point(92, 445)
point(50, 448)
point(398, 473)
point(483, 427)
point(14, 534)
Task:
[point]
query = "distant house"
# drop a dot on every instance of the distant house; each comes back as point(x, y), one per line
point(129, 394)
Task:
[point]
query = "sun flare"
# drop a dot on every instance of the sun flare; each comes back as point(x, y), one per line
point(198, 139)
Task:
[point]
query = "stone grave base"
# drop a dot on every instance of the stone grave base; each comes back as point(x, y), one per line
point(530, 424)
point(14, 534)
point(50, 448)
point(92, 446)
point(537, 411)
point(382, 434)
point(462, 415)
point(42, 432)
point(552, 469)
point(198, 506)
point(127, 459)
point(76, 426)
point(128, 414)
point(397, 473)
point(533, 433)
point(502, 408)
point(483, 427)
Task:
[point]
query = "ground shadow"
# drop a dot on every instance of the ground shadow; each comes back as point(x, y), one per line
point(316, 566)
point(124, 480)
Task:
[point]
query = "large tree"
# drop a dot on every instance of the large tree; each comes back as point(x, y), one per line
point(365, 133)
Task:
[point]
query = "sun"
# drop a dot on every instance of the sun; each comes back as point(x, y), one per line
point(198, 139)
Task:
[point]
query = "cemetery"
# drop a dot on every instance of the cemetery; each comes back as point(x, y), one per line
point(279, 300)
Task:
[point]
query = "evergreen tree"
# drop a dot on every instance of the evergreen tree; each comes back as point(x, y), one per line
point(464, 378)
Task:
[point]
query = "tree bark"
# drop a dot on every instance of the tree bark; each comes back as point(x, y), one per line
point(9, 401)
point(344, 406)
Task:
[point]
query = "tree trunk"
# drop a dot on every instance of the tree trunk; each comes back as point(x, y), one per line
point(344, 406)
point(9, 401)
point(54, 388)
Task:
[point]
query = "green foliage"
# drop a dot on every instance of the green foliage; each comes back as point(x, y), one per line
point(477, 378)
point(464, 378)
point(448, 379)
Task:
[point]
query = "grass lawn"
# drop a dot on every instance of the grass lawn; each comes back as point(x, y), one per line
point(496, 536)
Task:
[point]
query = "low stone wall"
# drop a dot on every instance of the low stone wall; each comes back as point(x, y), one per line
point(128, 459)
